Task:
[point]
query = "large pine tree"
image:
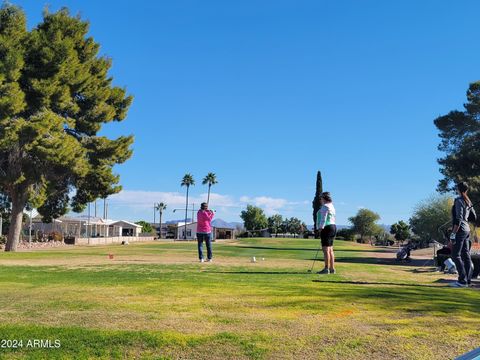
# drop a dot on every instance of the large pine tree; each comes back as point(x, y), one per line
point(460, 138)
point(55, 94)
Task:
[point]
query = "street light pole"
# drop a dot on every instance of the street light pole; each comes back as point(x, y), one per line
point(105, 205)
point(186, 212)
point(193, 212)
point(30, 227)
point(186, 209)
point(154, 210)
point(88, 224)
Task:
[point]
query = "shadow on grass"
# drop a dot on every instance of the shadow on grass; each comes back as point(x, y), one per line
point(405, 297)
point(392, 251)
point(276, 248)
point(381, 261)
point(262, 272)
point(374, 283)
point(374, 250)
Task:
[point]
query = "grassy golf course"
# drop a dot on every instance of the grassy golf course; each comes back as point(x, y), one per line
point(155, 301)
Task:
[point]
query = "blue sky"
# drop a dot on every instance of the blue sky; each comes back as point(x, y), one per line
point(265, 93)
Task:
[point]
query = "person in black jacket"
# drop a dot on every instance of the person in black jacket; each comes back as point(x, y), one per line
point(462, 212)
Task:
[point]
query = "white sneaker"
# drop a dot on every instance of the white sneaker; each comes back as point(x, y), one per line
point(209, 260)
point(202, 260)
point(457, 284)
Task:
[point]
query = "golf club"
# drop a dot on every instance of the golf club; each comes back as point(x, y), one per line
point(310, 270)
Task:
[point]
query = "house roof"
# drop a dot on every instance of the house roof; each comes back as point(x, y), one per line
point(92, 220)
point(125, 222)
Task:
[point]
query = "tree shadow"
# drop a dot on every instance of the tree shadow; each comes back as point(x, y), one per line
point(276, 248)
point(381, 261)
point(374, 283)
point(409, 297)
point(262, 272)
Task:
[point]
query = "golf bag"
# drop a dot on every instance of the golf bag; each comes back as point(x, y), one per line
point(404, 253)
point(450, 267)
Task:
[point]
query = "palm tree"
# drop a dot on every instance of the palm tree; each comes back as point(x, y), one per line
point(210, 179)
point(160, 207)
point(187, 181)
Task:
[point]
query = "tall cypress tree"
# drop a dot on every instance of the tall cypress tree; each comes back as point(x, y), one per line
point(316, 203)
point(55, 95)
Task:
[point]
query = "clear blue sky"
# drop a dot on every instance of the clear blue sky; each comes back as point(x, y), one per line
point(265, 93)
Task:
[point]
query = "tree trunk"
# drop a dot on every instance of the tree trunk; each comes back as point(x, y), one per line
point(208, 198)
point(186, 211)
point(160, 226)
point(18, 204)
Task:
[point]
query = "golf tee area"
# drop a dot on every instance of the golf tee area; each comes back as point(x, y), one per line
point(154, 300)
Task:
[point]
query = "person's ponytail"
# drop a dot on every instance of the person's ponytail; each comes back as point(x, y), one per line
point(463, 188)
point(467, 199)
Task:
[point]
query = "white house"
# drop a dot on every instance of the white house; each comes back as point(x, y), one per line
point(191, 231)
point(124, 228)
point(86, 227)
point(223, 231)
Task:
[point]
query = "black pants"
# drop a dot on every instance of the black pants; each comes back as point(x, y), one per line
point(462, 258)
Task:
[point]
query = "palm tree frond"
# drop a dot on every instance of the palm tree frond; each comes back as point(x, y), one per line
point(187, 180)
point(210, 179)
point(160, 206)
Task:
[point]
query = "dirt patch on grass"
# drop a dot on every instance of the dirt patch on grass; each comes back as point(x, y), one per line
point(170, 258)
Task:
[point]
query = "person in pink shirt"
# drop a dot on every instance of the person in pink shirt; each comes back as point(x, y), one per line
point(204, 231)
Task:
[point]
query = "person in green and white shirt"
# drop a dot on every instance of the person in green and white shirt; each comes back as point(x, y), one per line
point(328, 231)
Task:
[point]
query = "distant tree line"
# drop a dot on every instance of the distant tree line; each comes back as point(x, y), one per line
point(255, 221)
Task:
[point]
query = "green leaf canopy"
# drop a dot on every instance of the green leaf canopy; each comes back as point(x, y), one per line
point(55, 95)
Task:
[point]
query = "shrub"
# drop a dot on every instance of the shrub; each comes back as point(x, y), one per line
point(55, 236)
point(346, 234)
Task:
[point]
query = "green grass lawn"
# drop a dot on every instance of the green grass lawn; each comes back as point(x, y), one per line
point(155, 301)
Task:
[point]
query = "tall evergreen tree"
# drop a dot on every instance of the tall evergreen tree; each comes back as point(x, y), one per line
point(316, 203)
point(460, 136)
point(55, 95)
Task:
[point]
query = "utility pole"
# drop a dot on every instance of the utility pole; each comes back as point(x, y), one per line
point(154, 210)
point(88, 224)
point(30, 227)
point(95, 207)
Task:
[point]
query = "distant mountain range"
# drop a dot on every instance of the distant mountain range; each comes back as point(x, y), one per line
point(219, 223)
